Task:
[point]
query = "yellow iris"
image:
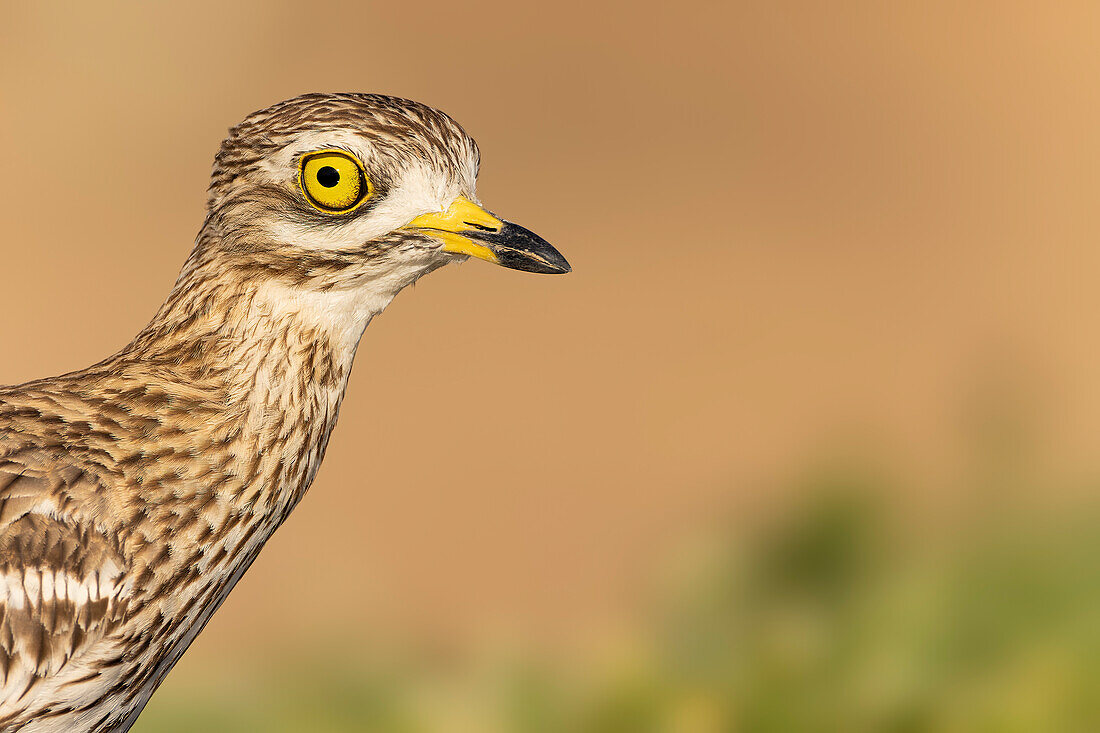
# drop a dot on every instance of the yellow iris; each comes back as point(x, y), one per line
point(334, 181)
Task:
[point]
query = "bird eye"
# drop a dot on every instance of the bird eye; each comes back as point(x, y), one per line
point(333, 181)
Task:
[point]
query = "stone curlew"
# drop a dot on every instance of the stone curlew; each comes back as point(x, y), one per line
point(135, 493)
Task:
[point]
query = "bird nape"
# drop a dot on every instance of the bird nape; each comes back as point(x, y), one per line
point(135, 493)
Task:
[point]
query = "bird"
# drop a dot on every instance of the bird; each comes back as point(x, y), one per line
point(135, 493)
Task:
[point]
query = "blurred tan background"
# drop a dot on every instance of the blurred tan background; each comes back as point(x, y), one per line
point(799, 230)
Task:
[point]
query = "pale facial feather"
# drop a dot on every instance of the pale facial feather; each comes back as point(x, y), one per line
point(419, 188)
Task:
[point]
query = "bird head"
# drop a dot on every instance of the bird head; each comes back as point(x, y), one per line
point(343, 191)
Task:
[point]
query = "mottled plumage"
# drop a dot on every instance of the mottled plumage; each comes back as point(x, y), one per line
point(135, 493)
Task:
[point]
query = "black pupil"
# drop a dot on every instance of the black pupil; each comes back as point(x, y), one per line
point(328, 176)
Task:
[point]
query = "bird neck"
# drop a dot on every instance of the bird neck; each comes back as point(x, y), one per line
point(273, 361)
point(242, 337)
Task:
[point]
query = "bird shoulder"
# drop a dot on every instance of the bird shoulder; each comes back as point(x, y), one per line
point(62, 580)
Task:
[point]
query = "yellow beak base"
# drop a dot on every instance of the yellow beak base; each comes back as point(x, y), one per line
point(463, 215)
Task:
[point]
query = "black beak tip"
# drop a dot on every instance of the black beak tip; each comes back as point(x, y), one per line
point(556, 264)
point(522, 249)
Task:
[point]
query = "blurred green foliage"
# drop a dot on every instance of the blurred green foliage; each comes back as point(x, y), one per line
point(835, 617)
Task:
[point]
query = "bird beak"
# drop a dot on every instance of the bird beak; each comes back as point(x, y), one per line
point(467, 229)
